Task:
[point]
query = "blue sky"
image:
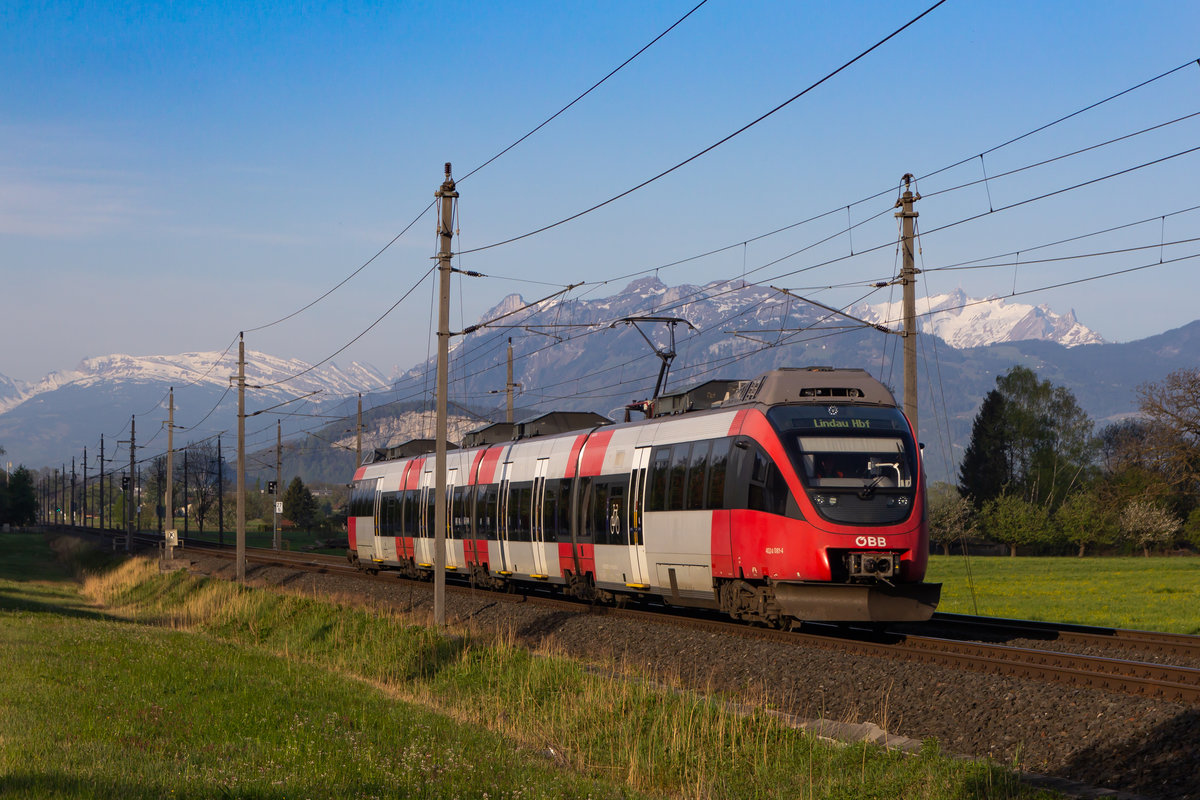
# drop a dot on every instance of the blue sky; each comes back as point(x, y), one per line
point(171, 174)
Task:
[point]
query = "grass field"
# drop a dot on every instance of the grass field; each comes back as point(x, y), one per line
point(1161, 594)
point(141, 684)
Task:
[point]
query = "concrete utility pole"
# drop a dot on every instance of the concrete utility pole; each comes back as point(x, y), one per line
point(278, 480)
point(72, 501)
point(509, 386)
point(102, 481)
point(448, 195)
point(908, 280)
point(241, 467)
point(129, 494)
point(185, 492)
point(169, 489)
point(358, 438)
point(83, 510)
point(220, 495)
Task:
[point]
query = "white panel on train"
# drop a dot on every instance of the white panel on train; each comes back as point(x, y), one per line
point(671, 541)
point(687, 428)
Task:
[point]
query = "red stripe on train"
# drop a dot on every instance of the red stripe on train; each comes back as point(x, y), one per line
point(574, 459)
point(593, 453)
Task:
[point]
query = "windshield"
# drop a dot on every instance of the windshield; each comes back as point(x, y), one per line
point(849, 447)
point(853, 461)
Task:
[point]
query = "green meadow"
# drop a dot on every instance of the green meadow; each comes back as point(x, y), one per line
point(1158, 593)
point(124, 682)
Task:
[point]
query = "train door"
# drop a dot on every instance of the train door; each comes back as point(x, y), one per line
point(377, 506)
point(541, 560)
point(454, 546)
point(506, 558)
point(639, 570)
point(422, 539)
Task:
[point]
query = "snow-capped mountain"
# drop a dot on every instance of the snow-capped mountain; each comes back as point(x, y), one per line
point(206, 369)
point(51, 419)
point(963, 321)
point(12, 392)
point(580, 353)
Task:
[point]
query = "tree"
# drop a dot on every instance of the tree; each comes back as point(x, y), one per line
point(1145, 523)
point(985, 470)
point(1172, 413)
point(299, 505)
point(22, 497)
point(1010, 520)
point(1052, 443)
point(950, 516)
point(1191, 529)
point(1030, 438)
point(1085, 521)
point(204, 476)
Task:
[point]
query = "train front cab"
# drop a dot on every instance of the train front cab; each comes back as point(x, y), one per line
point(833, 525)
point(360, 519)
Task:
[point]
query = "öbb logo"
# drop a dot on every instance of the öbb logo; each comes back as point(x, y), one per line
point(871, 541)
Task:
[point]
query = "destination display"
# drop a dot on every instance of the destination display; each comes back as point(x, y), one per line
point(838, 418)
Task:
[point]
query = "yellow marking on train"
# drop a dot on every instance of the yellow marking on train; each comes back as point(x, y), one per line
point(540, 577)
point(637, 586)
point(504, 572)
point(421, 564)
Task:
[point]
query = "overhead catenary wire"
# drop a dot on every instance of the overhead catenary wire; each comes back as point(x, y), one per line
point(589, 90)
point(363, 333)
point(988, 151)
point(720, 142)
point(1017, 139)
point(876, 195)
point(485, 164)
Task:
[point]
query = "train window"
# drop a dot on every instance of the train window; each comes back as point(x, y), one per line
point(660, 464)
point(550, 510)
point(427, 529)
point(362, 499)
point(767, 489)
point(696, 475)
point(677, 483)
point(850, 461)
point(583, 509)
point(409, 512)
point(388, 514)
point(520, 511)
point(717, 461)
point(485, 510)
point(563, 531)
point(615, 523)
point(597, 511)
point(460, 513)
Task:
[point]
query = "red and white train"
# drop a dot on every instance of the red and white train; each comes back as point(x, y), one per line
point(799, 496)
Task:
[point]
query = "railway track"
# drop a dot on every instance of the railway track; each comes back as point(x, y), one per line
point(971, 646)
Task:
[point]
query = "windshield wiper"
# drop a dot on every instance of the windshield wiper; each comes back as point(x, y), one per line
point(869, 489)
